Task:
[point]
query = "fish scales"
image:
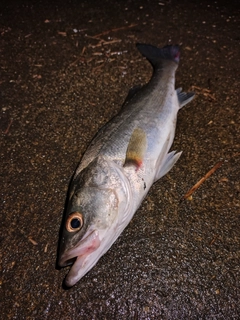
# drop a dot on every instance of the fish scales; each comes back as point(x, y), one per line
point(115, 135)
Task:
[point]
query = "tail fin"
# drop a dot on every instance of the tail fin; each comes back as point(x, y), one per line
point(156, 55)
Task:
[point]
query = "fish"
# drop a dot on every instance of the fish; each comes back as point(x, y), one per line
point(124, 159)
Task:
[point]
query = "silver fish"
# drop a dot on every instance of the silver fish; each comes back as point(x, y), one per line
point(126, 157)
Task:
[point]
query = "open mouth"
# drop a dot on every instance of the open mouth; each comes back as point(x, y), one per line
point(84, 247)
point(78, 257)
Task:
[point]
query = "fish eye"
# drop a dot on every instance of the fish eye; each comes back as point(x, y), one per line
point(74, 222)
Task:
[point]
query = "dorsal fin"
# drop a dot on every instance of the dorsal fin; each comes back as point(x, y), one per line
point(136, 148)
point(132, 93)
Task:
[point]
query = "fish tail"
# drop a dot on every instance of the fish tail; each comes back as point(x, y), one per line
point(156, 55)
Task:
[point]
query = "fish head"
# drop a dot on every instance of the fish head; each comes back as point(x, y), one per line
point(98, 198)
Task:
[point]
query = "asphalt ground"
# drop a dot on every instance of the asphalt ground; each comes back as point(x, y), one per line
point(66, 68)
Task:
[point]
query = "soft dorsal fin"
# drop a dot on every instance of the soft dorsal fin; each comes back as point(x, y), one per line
point(136, 148)
point(132, 93)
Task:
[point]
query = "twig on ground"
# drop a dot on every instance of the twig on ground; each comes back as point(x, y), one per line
point(8, 127)
point(32, 241)
point(205, 92)
point(114, 30)
point(197, 185)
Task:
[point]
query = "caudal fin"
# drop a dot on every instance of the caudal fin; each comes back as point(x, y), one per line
point(156, 55)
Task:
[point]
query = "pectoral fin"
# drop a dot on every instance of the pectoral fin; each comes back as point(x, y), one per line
point(167, 164)
point(136, 148)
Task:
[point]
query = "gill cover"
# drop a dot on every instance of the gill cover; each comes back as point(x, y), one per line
point(96, 214)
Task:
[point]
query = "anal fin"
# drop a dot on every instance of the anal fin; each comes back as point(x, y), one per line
point(183, 97)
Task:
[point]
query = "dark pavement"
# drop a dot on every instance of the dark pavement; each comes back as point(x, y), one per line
point(65, 70)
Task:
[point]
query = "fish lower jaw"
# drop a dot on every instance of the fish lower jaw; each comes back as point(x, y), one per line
point(76, 272)
point(88, 257)
point(65, 263)
point(85, 246)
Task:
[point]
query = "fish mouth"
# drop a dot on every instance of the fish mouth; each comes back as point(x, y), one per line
point(79, 257)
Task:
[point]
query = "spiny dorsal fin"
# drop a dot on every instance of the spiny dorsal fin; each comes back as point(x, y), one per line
point(136, 148)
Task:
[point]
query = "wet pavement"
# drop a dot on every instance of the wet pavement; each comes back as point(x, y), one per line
point(66, 69)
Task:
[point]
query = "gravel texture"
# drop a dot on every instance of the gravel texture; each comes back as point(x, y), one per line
point(66, 68)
